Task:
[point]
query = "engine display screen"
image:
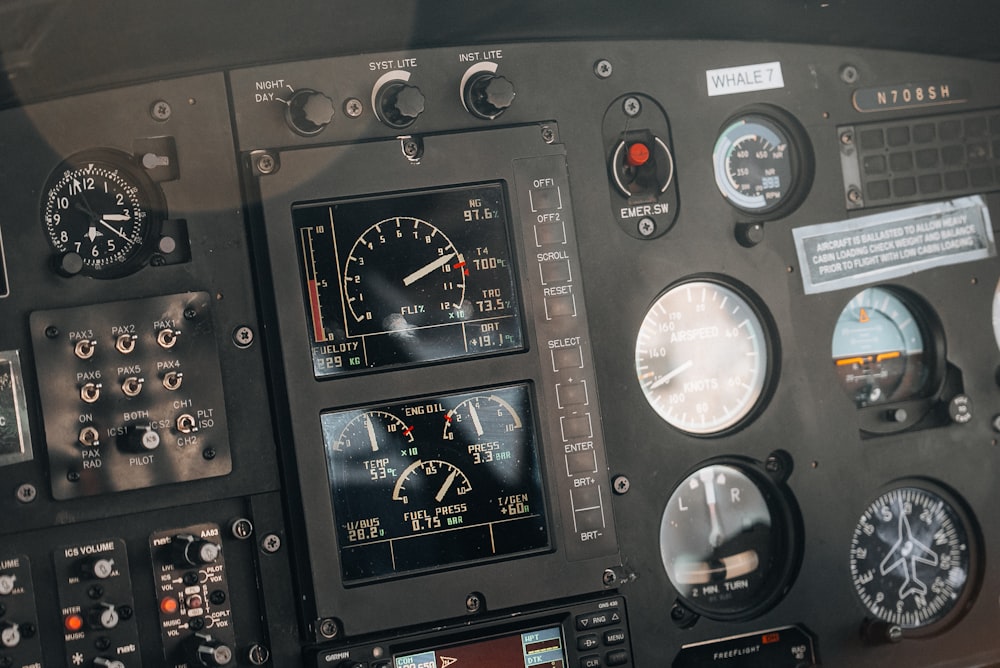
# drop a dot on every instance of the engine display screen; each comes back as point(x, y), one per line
point(408, 279)
point(532, 649)
point(436, 482)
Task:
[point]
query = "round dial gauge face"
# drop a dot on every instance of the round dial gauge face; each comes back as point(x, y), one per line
point(996, 315)
point(913, 558)
point(879, 349)
point(101, 207)
point(724, 544)
point(402, 273)
point(701, 357)
point(754, 165)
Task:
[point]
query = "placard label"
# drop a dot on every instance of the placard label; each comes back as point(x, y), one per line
point(895, 243)
point(744, 79)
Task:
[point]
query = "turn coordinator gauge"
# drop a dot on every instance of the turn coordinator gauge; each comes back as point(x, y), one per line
point(729, 538)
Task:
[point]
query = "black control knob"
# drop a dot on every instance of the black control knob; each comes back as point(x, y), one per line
point(187, 550)
point(10, 635)
point(104, 617)
point(211, 652)
point(488, 95)
point(399, 104)
point(98, 569)
point(308, 112)
point(7, 583)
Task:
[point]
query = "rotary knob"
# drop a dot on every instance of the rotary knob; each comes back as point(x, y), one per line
point(308, 112)
point(211, 652)
point(188, 550)
point(10, 635)
point(488, 95)
point(7, 583)
point(104, 617)
point(104, 662)
point(399, 104)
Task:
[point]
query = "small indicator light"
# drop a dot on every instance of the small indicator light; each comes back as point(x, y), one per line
point(638, 155)
point(169, 606)
point(73, 623)
point(770, 638)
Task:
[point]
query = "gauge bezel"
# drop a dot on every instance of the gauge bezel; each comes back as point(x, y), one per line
point(962, 513)
point(800, 154)
point(786, 524)
point(770, 346)
point(148, 193)
point(919, 405)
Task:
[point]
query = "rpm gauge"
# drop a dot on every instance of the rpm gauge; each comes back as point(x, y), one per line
point(758, 163)
point(914, 558)
point(726, 540)
point(702, 357)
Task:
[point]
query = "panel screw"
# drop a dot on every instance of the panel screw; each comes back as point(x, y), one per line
point(217, 597)
point(328, 628)
point(647, 227)
point(846, 137)
point(473, 602)
point(548, 134)
point(209, 453)
point(609, 577)
point(854, 196)
point(73, 476)
point(411, 149)
point(160, 110)
point(27, 493)
point(266, 164)
point(849, 74)
point(353, 107)
point(243, 336)
point(632, 107)
point(258, 654)
point(102, 643)
point(621, 484)
point(126, 612)
point(51, 331)
point(241, 528)
point(190, 313)
point(271, 543)
point(197, 624)
point(603, 68)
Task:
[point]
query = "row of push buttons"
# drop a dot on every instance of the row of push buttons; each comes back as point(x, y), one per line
point(568, 361)
point(612, 640)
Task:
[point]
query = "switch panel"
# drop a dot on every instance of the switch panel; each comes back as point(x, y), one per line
point(135, 394)
point(95, 599)
point(20, 646)
point(192, 590)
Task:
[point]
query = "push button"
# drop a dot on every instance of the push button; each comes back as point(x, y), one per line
point(593, 661)
point(587, 642)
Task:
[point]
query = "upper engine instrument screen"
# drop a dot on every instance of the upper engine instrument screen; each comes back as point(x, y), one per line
point(404, 280)
point(436, 481)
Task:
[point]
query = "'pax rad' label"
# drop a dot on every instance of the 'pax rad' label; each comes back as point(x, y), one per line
point(744, 79)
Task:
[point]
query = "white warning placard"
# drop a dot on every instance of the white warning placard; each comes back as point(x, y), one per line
point(886, 245)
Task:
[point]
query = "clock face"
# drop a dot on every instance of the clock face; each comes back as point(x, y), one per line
point(101, 208)
point(914, 558)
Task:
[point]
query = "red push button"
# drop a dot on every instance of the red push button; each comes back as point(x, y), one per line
point(169, 606)
point(637, 155)
point(73, 623)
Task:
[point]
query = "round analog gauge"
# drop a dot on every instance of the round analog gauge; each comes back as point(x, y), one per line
point(756, 164)
point(914, 558)
point(880, 350)
point(726, 541)
point(101, 214)
point(702, 357)
point(996, 315)
point(402, 273)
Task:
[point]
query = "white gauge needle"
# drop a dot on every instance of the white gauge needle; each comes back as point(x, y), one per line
point(446, 486)
point(371, 433)
point(475, 420)
point(114, 229)
point(426, 269)
point(663, 380)
point(715, 535)
point(92, 234)
point(116, 217)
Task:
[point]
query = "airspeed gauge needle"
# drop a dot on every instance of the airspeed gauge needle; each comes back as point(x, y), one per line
point(427, 268)
point(663, 380)
point(446, 485)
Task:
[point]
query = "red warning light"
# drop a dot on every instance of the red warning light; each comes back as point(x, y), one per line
point(638, 155)
point(770, 638)
point(169, 606)
point(73, 623)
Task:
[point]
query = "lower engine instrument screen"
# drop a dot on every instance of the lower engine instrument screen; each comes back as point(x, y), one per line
point(408, 279)
point(533, 649)
point(434, 482)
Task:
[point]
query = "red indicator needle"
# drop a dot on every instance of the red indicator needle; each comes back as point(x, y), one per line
point(406, 432)
point(459, 265)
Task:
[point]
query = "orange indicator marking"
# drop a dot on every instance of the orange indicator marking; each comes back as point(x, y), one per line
point(888, 356)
